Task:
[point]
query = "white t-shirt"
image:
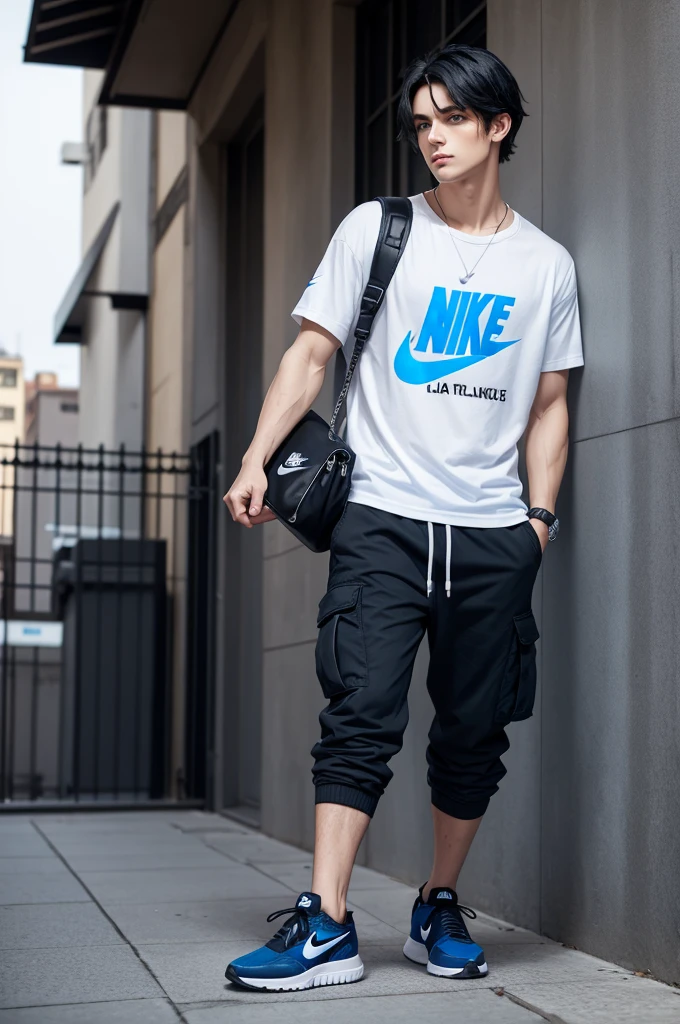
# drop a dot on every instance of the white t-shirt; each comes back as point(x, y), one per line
point(444, 387)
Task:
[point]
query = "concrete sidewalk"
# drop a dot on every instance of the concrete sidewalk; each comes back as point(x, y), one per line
point(132, 917)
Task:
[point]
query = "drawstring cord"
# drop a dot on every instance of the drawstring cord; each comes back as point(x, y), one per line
point(430, 559)
point(430, 556)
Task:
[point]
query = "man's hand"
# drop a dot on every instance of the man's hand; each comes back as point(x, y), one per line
point(542, 531)
point(244, 497)
point(296, 385)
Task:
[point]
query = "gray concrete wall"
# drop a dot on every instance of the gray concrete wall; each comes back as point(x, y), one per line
point(593, 798)
point(582, 840)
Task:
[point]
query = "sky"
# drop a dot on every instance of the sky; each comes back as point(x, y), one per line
point(40, 200)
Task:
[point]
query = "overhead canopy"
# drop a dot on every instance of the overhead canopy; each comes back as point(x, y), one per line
point(153, 51)
point(74, 32)
point(70, 317)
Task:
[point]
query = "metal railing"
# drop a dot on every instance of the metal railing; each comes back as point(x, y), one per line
point(96, 609)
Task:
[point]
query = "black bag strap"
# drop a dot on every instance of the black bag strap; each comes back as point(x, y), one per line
point(395, 226)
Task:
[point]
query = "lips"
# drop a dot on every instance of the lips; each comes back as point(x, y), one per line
point(440, 158)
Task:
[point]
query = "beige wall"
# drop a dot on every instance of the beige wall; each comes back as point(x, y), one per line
point(166, 340)
point(300, 53)
point(10, 431)
point(171, 150)
point(306, 168)
point(166, 387)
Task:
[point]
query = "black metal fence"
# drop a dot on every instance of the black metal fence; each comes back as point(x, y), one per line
point(100, 599)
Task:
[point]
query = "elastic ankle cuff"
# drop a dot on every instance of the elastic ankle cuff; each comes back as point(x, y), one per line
point(335, 793)
point(466, 810)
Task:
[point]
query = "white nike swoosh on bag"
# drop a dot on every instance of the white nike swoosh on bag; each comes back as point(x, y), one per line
point(310, 951)
point(282, 470)
point(424, 934)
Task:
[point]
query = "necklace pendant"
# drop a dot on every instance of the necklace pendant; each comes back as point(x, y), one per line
point(466, 277)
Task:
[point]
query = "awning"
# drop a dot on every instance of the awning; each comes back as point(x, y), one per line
point(154, 52)
point(163, 53)
point(74, 32)
point(70, 317)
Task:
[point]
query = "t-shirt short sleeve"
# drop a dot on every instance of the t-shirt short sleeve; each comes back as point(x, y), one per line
point(564, 347)
point(333, 295)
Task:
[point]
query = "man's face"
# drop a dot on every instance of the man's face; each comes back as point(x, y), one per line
point(454, 142)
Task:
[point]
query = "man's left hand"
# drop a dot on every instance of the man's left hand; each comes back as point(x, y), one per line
point(542, 530)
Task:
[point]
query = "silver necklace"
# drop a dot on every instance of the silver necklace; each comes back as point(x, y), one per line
point(468, 273)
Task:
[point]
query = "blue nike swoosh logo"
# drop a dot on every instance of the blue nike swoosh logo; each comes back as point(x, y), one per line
point(418, 371)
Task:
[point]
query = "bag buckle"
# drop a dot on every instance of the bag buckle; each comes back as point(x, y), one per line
point(369, 298)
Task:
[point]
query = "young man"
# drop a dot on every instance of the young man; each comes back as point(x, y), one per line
point(469, 351)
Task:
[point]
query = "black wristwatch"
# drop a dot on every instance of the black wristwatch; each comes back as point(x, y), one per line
point(550, 520)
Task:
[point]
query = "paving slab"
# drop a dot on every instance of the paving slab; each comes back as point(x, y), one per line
point(191, 891)
point(50, 865)
point(100, 824)
point(153, 859)
point(22, 843)
point(55, 924)
point(170, 885)
point(623, 999)
point(144, 846)
point(298, 878)
point(481, 1007)
point(58, 886)
point(394, 905)
point(546, 963)
point(253, 848)
point(195, 973)
point(46, 977)
point(221, 921)
point(211, 823)
point(137, 1011)
point(14, 824)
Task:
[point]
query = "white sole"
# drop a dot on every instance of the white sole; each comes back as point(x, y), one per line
point(451, 972)
point(417, 951)
point(335, 972)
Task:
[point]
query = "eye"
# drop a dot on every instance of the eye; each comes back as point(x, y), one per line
point(421, 125)
point(456, 118)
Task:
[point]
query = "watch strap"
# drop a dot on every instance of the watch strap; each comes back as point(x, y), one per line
point(543, 514)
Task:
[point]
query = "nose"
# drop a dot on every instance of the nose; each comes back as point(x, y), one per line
point(435, 136)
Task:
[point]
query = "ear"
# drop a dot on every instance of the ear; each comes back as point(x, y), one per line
point(500, 126)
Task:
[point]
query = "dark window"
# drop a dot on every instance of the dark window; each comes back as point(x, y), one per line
point(390, 33)
point(69, 406)
point(6, 412)
point(8, 378)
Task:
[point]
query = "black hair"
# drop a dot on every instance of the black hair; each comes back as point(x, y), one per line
point(475, 79)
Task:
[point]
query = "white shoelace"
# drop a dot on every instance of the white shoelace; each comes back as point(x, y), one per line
point(430, 558)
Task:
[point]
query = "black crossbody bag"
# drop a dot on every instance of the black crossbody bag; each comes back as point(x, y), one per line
point(309, 474)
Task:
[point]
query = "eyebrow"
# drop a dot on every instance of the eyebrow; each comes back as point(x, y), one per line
point(442, 110)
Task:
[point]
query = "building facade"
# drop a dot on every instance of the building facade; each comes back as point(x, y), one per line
point(278, 120)
point(104, 308)
point(12, 428)
point(51, 411)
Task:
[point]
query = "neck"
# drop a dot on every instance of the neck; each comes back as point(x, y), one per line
point(472, 204)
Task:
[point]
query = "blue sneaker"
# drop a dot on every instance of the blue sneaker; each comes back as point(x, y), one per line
point(440, 939)
point(309, 949)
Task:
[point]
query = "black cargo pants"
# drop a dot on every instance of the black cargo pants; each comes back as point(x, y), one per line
point(481, 633)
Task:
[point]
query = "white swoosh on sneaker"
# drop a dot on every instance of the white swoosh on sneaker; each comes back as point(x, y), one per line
point(282, 470)
point(311, 952)
point(425, 933)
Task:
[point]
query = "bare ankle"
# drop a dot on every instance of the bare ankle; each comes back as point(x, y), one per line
point(336, 911)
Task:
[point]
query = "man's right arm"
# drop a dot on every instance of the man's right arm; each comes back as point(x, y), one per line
point(290, 396)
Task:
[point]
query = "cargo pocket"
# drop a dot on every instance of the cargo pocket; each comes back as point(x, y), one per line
point(518, 692)
point(340, 650)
